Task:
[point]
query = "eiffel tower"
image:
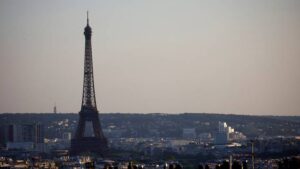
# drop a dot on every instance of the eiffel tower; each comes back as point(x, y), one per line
point(97, 143)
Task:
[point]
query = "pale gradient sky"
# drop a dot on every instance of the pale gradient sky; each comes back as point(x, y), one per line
point(168, 56)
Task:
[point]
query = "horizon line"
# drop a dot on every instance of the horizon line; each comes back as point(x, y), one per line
point(165, 113)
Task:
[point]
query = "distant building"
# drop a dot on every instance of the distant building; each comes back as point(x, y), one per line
point(4, 137)
point(222, 127)
point(237, 136)
point(227, 133)
point(177, 145)
point(222, 136)
point(67, 136)
point(189, 133)
point(114, 133)
point(230, 130)
point(24, 136)
point(205, 137)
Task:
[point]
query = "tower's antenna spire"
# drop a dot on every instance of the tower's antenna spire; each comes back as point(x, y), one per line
point(54, 109)
point(87, 17)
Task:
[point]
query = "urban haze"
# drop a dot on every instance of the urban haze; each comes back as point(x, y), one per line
point(149, 85)
point(233, 57)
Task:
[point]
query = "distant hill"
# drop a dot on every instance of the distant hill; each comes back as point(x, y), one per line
point(165, 125)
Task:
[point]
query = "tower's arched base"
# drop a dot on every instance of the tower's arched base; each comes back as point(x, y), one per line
point(86, 145)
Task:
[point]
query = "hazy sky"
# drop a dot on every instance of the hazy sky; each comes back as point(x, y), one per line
point(167, 56)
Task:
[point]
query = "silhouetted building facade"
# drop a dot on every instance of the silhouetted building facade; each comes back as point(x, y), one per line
point(23, 136)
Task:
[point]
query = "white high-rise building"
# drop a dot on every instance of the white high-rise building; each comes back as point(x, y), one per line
point(222, 136)
point(227, 133)
point(222, 126)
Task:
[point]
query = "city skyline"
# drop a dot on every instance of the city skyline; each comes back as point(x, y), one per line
point(151, 57)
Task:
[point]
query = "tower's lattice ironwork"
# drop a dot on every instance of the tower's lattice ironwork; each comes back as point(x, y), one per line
point(97, 143)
